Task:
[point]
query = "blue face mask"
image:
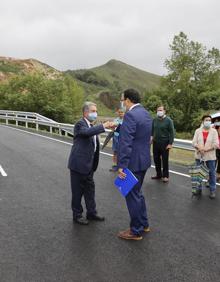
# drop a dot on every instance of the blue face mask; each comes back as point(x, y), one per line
point(207, 124)
point(92, 116)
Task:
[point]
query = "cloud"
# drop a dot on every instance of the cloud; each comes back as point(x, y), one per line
point(71, 34)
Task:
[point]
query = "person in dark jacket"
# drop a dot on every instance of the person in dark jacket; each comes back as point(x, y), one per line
point(83, 162)
point(162, 139)
point(134, 154)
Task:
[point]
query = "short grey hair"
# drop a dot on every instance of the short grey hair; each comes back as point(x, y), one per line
point(86, 106)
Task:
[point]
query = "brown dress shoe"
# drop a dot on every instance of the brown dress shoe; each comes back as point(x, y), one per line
point(146, 229)
point(128, 235)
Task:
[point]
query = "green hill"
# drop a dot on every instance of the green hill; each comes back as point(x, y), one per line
point(106, 83)
point(103, 84)
point(127, 76)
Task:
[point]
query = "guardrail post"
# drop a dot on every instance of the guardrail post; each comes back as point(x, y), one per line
point(6, 121)
point(51, 129)
point(26, 123)
point(37, 126)
point(16, 122)
point(60, 132)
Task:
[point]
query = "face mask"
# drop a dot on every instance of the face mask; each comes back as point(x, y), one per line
point(123, 108)
point(217, 123)
point(92, 116)
point(207, 124)
point(160, 113)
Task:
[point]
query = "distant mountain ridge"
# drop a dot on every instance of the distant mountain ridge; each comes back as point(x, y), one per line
point(129, 74)
point(11, 66)
point(103, 84)
point(118, 74)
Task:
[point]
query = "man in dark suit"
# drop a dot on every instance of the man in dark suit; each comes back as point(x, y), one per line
point(134, 154)
point(83, 161)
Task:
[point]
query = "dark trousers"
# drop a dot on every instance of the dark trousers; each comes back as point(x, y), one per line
point(82, 185)
point(218, 160)
point(160, 153)
point(137, 206)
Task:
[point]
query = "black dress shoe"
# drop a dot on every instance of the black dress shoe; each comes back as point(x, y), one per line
point(95, 217)
point(81, 220)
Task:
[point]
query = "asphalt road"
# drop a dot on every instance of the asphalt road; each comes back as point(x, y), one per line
point(39, 242)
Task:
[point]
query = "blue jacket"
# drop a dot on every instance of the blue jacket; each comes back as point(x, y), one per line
point(82, 157)
point(134, 140)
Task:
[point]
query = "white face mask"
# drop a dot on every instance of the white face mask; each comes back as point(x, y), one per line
point(207, 124)
point(160, 113)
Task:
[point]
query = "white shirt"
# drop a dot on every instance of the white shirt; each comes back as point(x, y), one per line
point(94, 137)
point(134, 106)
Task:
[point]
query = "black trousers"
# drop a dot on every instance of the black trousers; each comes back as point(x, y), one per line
point(161, 155)
point(82, 185)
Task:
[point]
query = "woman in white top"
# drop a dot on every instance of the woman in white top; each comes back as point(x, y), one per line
point(205, 141)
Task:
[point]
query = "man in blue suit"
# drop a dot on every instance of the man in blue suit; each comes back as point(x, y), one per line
point(134, 154)
point(83, 161)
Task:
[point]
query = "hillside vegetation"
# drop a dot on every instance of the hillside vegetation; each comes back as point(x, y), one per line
point(9, 67)
point(103, 85)
point(106, 83)
point(190, 89)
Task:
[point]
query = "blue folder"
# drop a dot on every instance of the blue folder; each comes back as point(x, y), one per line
point(125, 185)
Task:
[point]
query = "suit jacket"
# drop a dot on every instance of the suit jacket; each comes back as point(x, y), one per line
point(82, 157)
point(134, 140)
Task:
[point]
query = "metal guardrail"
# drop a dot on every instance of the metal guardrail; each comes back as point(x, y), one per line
point(36, 119)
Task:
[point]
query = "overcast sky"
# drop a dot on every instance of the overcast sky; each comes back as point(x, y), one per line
point(72, 34)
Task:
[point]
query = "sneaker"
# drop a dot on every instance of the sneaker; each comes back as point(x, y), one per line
point(81, 220)
point(165, 179)
point(197, 192)
point(212, 195)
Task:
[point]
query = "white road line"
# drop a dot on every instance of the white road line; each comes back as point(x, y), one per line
point(35, 134)
point(2, 171)
point(103, 153)
point(175, 172)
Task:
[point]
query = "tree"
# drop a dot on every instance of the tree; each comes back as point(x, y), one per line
point(192, 70)
point(74, 98)
point(59, 99)
point(151, 102)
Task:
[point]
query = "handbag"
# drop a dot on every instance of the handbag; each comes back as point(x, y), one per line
point(199, 173)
